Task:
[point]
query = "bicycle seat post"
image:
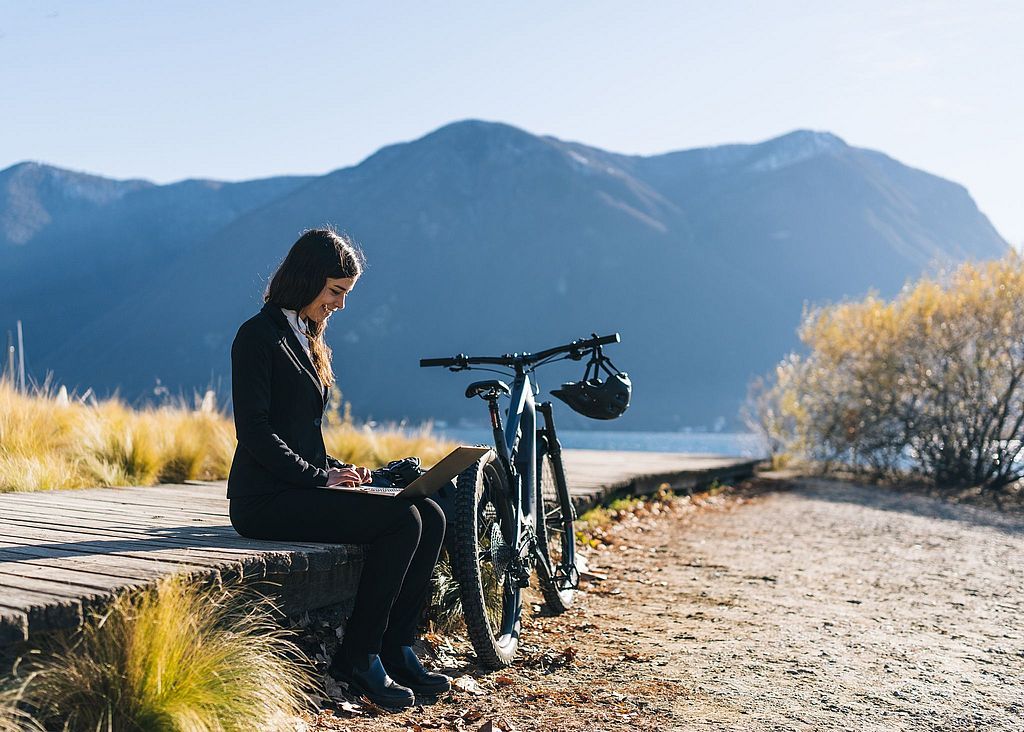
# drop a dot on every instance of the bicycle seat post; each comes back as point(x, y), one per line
point(499, 435)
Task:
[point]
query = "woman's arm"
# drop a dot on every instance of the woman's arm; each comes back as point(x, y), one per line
point(250, 394)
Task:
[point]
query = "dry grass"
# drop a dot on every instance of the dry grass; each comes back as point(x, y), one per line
point(12, 717)
point(51, 440)
point(372, 448)
point(175, 657)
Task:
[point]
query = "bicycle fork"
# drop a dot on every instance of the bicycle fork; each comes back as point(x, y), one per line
point(548, 444)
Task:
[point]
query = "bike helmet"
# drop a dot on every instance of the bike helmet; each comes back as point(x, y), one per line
point(596, 398)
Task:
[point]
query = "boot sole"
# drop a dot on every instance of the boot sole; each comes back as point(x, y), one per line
point(359, 690)
point(423, 691)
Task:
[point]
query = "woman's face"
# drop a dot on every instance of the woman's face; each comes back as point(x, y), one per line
point(331, 298)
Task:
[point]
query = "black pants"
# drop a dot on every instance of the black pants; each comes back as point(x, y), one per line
point(403, 539)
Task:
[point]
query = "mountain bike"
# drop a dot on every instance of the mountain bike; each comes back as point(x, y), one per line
point(512, 512)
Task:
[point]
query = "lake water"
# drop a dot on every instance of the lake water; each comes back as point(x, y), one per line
point(737, 444)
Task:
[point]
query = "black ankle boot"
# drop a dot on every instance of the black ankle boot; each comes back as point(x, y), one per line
point(405, 668)
point(372, 681)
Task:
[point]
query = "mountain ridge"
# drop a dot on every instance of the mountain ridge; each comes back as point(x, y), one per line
point(702, 258)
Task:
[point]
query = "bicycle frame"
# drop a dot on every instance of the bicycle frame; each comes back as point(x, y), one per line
point(519, 457)
point(521, 461)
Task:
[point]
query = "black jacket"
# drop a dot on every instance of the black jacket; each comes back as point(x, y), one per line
point(279, 404)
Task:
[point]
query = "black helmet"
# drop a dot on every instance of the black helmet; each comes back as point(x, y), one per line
point(594, 398)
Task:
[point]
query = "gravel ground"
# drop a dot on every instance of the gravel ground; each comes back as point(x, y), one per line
point(807, 605)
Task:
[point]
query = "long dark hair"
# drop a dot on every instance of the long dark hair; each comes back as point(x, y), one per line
point(317, 255)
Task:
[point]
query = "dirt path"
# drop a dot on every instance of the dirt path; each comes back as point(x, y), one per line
point(829, 606)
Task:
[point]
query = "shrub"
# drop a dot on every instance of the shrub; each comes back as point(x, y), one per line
point(931, 381)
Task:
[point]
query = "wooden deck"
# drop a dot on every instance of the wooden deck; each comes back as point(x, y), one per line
point(63, 552)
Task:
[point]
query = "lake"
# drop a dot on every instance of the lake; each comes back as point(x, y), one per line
point(738, 444)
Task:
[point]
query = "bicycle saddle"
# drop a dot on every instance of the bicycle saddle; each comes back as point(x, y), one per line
point(490, 385)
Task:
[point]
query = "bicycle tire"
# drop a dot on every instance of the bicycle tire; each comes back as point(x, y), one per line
point(556, 537)
point(491, 600)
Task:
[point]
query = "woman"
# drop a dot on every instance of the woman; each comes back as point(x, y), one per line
point(281, 484)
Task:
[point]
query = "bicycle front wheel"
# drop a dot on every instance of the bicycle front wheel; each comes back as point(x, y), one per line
point(556, 539)
point(482, 532)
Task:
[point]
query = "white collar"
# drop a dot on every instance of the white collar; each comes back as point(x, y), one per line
point(298, 323)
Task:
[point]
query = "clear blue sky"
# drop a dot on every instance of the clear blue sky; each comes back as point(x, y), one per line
point(237, 90)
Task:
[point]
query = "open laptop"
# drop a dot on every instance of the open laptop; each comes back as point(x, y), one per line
point(430, 482)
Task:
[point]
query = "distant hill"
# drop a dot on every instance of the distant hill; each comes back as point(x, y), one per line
point(482, 238)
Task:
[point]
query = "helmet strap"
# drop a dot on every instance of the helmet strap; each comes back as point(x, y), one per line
point(597, 362)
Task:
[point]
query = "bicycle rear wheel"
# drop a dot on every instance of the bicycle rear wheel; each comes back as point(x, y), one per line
point(483, 525)
point(556, 538)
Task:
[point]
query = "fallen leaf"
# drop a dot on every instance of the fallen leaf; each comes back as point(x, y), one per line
point(347, 706)
point(468, 684)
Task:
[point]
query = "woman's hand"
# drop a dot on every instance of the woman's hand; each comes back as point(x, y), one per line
point(349, 476)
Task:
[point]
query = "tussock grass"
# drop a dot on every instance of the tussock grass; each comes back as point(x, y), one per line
point(51, 440)
point(371, 448)
point(444, 611)
point(12, 717)
point(175, 657)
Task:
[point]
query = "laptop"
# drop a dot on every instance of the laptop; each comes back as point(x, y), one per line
point(430, 482)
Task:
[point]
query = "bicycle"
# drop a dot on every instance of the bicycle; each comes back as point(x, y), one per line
point(512, 511)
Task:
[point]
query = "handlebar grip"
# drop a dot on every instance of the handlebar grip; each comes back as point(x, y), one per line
point(426, 362)
point(603, 340)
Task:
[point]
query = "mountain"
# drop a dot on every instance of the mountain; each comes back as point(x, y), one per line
point(73, 246)
point(483, 238)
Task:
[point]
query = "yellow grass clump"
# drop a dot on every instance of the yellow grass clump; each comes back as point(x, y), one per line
point(50, 440)
point(372, 448)
point(174, 657)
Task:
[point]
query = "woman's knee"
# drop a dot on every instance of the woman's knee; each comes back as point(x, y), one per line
point(407, 520)
point(432, 518)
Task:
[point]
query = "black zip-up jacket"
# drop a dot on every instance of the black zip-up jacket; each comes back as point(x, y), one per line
point(278, 402)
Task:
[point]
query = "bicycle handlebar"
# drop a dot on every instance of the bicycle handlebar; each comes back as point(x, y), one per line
point(576, 349)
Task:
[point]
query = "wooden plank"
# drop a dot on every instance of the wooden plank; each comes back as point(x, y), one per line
point(211, 535)
point(45, 611)
point(274, 561)
point(318, 555)
point(13, 625)
point(137, 505)
point(127, 514)
point(140, 496)
point(115, 494)
point(148, 567)
point(62, 575)
point(185, 562)
point(63, 588)
point(69, 574)
point(127, 521)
